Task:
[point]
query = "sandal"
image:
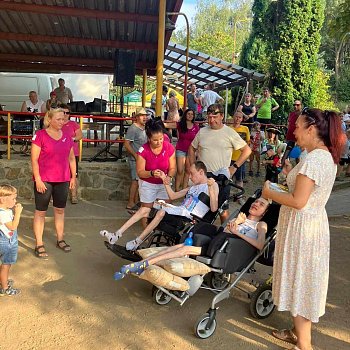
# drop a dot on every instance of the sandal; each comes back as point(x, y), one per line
point(64, 246)
point(286, 335)
point(40, 252)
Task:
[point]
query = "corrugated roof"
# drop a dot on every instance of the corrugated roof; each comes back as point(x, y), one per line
point(78, 36)
point(204, 69)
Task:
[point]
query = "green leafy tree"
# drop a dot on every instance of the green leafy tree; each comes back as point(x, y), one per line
point(214, 25)
point(284, 44)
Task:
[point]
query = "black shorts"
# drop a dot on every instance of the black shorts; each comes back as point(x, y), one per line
point(58, 191)
point(344, 161)
point(76, 165)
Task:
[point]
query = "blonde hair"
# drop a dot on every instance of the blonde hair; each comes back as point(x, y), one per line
point(7, 190)
point(49, 114)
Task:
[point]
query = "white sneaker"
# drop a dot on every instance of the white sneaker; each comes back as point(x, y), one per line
point(132, 245)
point(112, 237)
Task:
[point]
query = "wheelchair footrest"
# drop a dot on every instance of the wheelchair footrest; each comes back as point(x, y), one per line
point(204, 259)
point(122, 252)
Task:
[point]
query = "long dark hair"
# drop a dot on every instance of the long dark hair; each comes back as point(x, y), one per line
point(328, 125)
point(183, 121)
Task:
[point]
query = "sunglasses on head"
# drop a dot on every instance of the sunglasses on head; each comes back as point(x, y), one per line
point(214, 112)
point(311, 119)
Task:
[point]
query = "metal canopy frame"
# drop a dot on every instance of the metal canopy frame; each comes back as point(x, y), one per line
point(203, 69)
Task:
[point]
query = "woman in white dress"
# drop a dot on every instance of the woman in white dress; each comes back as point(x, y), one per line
point(301, 263)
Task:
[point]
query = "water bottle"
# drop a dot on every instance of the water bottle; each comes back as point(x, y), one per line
point(189, 239)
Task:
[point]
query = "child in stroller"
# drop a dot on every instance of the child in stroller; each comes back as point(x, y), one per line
point(248, 228)
point(193, 204)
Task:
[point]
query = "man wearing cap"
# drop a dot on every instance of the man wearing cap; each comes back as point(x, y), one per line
point(214, 145)
point(266, 105)
point(63, 93)
point(134, 139)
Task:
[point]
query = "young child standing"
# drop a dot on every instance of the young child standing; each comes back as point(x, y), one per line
point(257, 136)
point(271, 160)
point(8, 236)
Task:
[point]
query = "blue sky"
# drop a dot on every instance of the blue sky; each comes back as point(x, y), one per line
point(189, 8)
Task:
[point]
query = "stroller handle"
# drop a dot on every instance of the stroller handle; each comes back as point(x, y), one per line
point(240, 192)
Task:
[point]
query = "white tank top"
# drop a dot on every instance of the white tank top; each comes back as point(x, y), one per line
point(248, 228)
point(34, 108)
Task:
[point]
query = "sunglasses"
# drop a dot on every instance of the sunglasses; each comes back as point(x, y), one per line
point(214, 113)
point(311, 119)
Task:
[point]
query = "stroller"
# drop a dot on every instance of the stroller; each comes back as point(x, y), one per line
point(228, 265)
point(173, 227)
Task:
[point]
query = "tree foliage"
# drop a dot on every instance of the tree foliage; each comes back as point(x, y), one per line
point(213, 26)
point(284, 44)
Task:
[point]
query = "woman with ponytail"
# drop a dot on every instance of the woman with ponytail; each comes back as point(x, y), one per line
point(301, 261)
point(154, 159)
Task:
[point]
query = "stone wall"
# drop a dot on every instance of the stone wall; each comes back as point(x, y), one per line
point(97, 181)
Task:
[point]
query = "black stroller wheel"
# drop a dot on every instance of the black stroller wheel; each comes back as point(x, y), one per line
point(159, 240)
point(217, 280)
point(201, 330)
point(261, 303)
point(160, 297)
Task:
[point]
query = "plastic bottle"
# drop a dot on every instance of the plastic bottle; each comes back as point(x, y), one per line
point(189, 239)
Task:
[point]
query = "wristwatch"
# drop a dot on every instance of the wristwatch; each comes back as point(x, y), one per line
point(235, 165)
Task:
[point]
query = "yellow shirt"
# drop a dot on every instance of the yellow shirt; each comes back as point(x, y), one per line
point(243, 132)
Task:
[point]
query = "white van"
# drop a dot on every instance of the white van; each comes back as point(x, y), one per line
point(15, 87)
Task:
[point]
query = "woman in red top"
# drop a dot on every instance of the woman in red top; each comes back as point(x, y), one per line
point(154, 158)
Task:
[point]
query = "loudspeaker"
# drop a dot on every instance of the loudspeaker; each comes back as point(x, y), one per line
point(124, 68)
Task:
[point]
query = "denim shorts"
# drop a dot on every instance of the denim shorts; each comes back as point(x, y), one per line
point(132, 165)
point(8, 250)
point(180, 153)
point(240, 172)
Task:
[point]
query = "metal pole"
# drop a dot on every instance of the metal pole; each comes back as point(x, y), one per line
point(8, 136)
point(226, 104)
point(160, 57)
point(187, 53)
point(144, 86)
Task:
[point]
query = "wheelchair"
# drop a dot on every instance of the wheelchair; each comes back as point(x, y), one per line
point(173, 227)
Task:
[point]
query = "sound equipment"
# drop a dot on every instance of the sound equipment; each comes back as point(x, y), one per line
point(124, 68)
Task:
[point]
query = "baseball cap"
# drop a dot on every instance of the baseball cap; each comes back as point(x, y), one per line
point(140, 111)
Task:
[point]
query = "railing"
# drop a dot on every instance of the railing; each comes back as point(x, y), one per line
point(102, 122)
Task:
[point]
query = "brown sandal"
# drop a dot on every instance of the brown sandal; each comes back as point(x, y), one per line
point(285, 335)
point(63, 245)
point(40, 252)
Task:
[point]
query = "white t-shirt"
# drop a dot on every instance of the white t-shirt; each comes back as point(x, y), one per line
point(249, 228)
point(6, 216)
point(215, 146)
point(209, 97)
point(33, 108)
point(191, 205)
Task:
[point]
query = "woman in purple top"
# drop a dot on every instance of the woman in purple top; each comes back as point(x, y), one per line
point(154, 159)
point(72, 129)
point(54, 170)
point(187, 131)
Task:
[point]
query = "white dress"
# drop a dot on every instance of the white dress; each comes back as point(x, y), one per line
point(301, 259)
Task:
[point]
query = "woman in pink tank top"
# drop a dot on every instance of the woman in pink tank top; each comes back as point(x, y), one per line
point(54, 170)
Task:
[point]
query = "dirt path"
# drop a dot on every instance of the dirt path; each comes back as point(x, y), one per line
point(72, 301)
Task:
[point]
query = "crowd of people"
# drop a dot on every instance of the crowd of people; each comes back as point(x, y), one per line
point(201, 157)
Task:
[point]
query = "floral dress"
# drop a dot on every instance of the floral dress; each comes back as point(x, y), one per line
point(301, 259)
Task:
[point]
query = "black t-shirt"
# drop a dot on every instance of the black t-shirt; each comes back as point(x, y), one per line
point(247, 110)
